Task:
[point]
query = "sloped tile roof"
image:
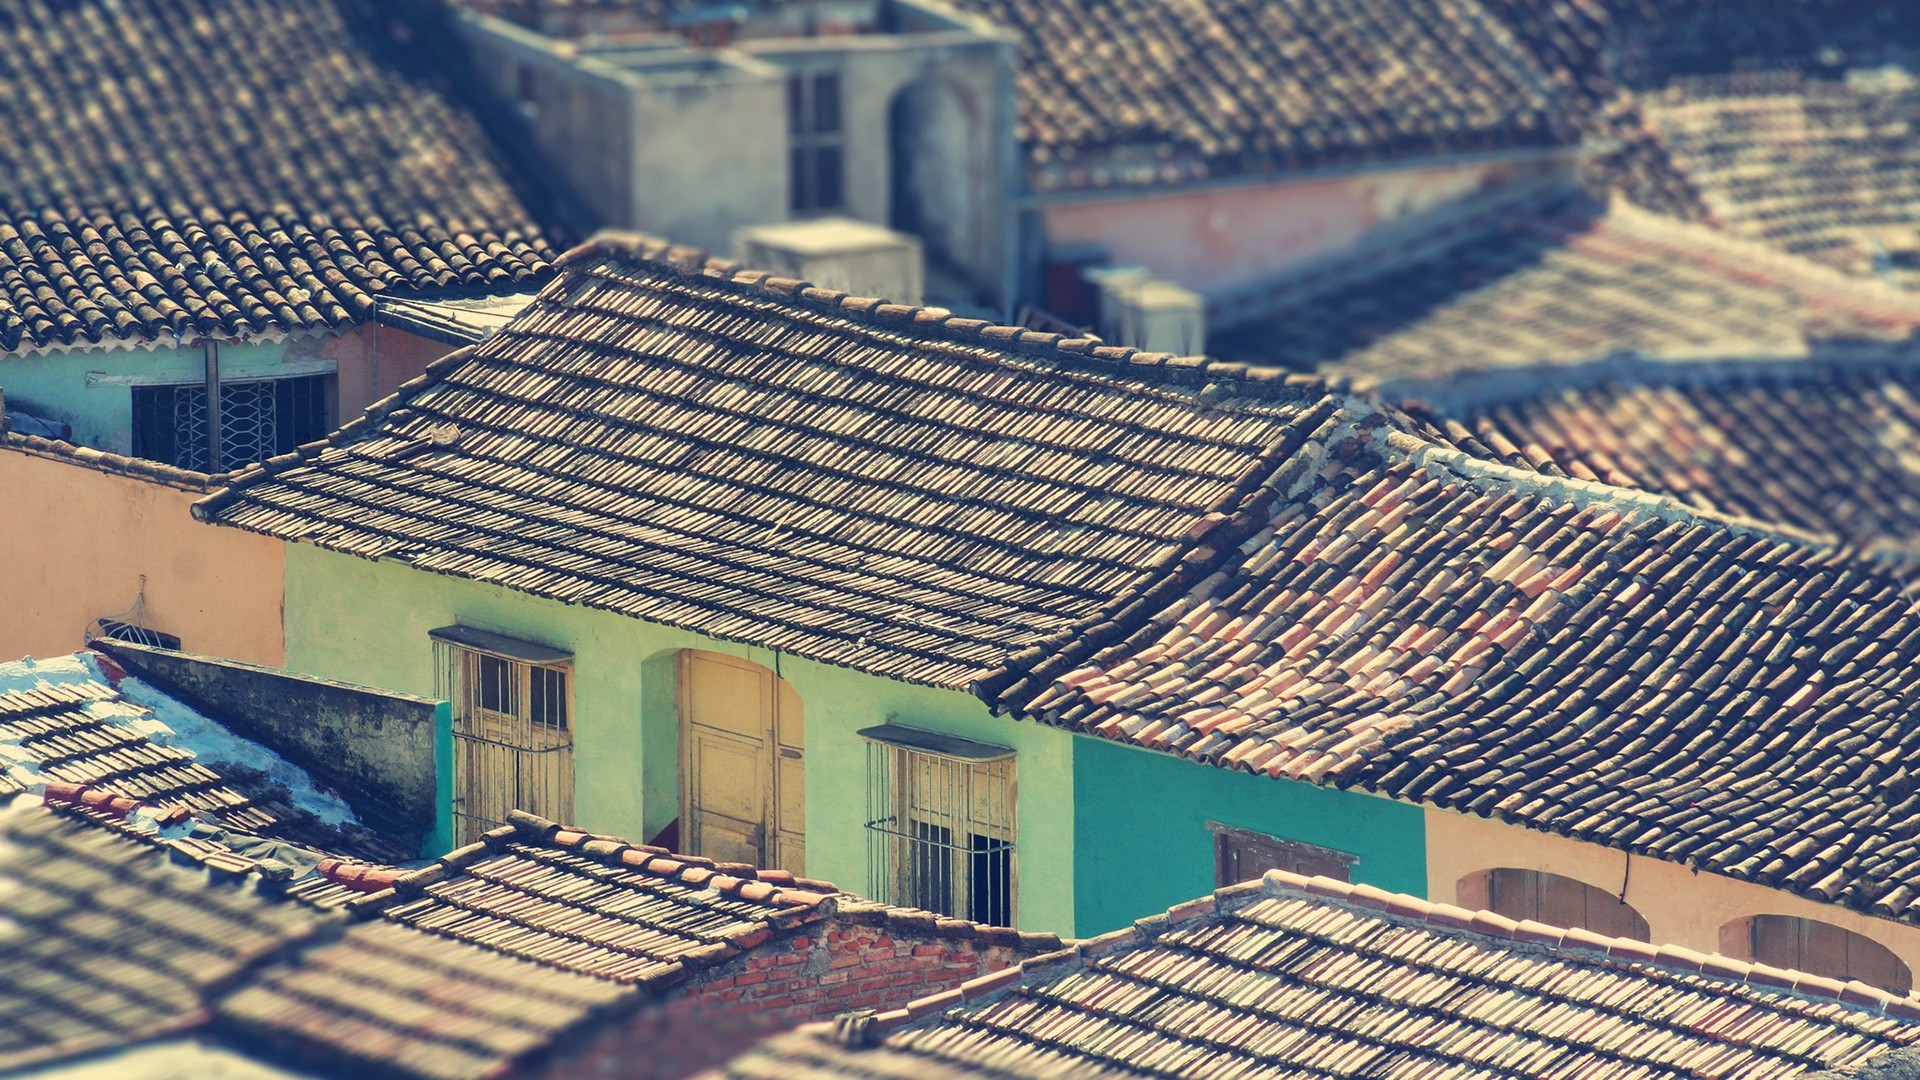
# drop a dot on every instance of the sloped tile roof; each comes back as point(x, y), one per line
point(1293, 976)
point(112, 937)
point(63, 722)
point(884, 487)
point(501, 949)
point(390, 1000)
point(119, 931)
point(1157, 91)
point(188, 167)
point(1832, 449)
point(1569, 657)
point(1566, 286)
point(630, 913)
point(1817, 167)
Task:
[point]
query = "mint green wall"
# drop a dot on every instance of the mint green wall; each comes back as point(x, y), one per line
point(54, 385)
point(367, 622)
point(1145, 846)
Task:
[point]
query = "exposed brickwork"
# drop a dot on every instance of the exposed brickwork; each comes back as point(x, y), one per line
point(816, 973)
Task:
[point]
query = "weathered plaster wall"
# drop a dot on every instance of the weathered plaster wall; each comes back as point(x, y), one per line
point(1682, 906)
point(1145, 845)
point(75, 542)
point(948, 87)
point(375, 747)
point(367, 622)
point(1216, 239)
point(92, 389)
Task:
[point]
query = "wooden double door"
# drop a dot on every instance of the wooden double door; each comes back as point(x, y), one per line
point(742, 763)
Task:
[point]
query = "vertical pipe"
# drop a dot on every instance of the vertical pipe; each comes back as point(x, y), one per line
point(440, 841)
point(216, 460)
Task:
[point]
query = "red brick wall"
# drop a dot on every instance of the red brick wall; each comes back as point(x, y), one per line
point(815, 974)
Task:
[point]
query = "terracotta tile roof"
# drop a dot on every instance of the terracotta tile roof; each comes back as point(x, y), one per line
point(110, 937)
point(188, 167)
point(1292, 976)
point(879, 486)
point(1607, 665)
point(388, 1001)
point(629, 913)
point(1151, 91)
point(503, 949)
point(116, 934)
point(1567, 286)
point(1827, 448)
point(1817, 167)
point(65, 728)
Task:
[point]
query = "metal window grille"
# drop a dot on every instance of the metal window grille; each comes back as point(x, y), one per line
point(512, 727)
point(258, 419)
point(940, 828)
point(816, 143)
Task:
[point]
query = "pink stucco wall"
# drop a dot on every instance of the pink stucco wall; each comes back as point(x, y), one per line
point(75, 541)
point(1214, 239)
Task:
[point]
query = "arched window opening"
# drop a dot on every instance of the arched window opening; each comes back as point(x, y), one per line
point(1553, 900)
point(1787, 941)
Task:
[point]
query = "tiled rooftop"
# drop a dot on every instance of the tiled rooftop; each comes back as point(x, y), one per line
point(1152, 91)
point(1405, 619)
point(185, 167)
point(110, 937)
point(499, 949)
point(67, 721)
point(1573, 285)
point(1290, 976)
point(1827, 448)
point(884, 487)
point(1817, 167)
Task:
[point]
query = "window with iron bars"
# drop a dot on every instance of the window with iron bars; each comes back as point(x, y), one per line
point(258, 419)
point(512, 727)
point(940, 828)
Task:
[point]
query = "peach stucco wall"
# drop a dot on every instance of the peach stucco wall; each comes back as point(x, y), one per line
point(74, 542)
point(1682, 907)
point(1215, 239)
point(373, 361)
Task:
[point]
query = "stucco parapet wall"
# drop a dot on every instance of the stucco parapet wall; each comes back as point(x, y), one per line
point(117, 464)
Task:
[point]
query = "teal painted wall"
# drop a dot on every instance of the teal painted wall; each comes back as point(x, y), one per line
point(1145, 846)
point(54, 385)
point(367, 622)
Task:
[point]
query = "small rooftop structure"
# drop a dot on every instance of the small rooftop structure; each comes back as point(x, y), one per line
point(837, 253)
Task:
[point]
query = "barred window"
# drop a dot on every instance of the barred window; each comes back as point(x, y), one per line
point(258, 419)
point(512, 712)
point(940, 826)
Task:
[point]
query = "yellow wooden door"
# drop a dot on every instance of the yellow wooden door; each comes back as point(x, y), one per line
point(743, 796)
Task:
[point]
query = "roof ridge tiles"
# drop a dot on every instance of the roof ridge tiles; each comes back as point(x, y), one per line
point(866, 1028)
point(107, 462)
point(777, 887)
point(1435, 458)
point(1577, 940)
point(883, 314)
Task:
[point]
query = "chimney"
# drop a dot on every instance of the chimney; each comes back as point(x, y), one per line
point(837, 253)
point(1145, 312)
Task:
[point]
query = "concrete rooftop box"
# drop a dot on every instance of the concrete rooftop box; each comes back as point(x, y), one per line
point(837, 253)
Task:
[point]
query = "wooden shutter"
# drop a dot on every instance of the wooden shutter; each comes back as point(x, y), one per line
point(1242, 855)
point(1562, 901)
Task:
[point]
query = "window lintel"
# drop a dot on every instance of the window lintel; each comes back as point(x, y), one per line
point(525, 652)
